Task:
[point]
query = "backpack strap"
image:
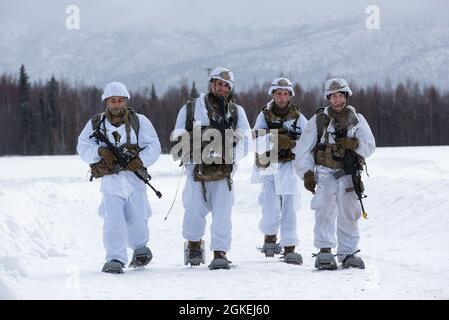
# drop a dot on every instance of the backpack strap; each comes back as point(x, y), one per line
point(322, 121)
point(190, 114)
point(96, 120)
point(234, 111)
point(132, 123)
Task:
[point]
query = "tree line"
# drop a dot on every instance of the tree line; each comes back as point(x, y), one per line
point(46, 117)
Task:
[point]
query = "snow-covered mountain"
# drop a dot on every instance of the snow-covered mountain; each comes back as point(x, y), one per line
point(51, 237)
point(307, 50)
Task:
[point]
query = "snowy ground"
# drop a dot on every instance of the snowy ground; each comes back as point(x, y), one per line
point(51, 237)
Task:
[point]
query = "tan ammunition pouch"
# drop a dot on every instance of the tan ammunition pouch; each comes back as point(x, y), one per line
point(190, 113)
point(329, 155)
point(211, 172)
point(101, 168)
point(286, 155)
point(283, 156)
point(272, 118)
point(214, 171)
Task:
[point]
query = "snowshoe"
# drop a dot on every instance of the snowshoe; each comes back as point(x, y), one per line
point(194, 253)
point(325, 260)
point(270, 247)
point(352, 261)
point(220, 261)
point(141, 257)
point(291, 257)
point(113, 266)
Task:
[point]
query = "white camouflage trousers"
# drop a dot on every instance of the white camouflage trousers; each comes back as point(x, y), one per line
point(219, 201)
point(125, 223)
point(336, 214)
point(278, 212)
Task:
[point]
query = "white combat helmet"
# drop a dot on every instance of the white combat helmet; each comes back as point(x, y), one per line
point(223, 74)
point(336, 85)
point(281, 83)
point(115, 89)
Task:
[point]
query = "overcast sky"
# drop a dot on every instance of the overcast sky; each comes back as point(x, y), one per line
point(111, 14)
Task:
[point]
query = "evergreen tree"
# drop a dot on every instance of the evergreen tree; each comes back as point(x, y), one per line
point(153, 95)
point(51, 115)
point(47, 117)
point(194, 92)
point(25, 109)
point(43, 127)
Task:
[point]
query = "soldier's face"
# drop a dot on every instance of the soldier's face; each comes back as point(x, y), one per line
point(115, 104)
point(281, 97)
point(220, 88)
point(338, 101)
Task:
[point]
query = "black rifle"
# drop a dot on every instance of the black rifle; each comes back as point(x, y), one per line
point(124, 158)
point(291, 131)
point(353, 167)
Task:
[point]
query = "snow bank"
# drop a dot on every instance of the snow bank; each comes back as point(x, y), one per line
point(27, 195)
point(6, 292)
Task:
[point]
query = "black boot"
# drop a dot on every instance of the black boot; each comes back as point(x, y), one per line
point(194, 253)
point(270, 247)
point(114, 266)
point(325, 260)
point(352, 261)
point(290, 256)
point(141, 257)
point(220, 261)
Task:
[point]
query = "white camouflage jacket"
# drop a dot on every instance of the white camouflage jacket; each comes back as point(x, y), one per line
point(305, 160)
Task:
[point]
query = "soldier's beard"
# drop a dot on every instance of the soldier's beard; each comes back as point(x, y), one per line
point(215, 98)
point(218, 95)
point(281, 105)
point(281, 111)
point(339, 107)
point(116, 112)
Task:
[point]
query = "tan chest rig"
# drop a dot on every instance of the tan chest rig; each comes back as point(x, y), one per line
point(101, 168)
point(220, 169)
point(329, 154)
point(276, 122)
